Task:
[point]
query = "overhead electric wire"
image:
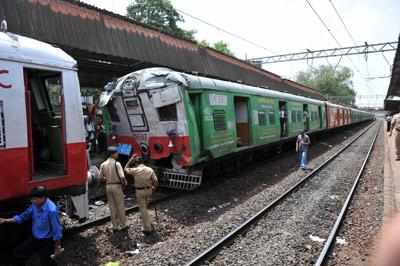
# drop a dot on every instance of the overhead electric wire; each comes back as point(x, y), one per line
point(341, 20)
point(348, 31)
point(237, 36)
point(323, 23)
point(337, 42)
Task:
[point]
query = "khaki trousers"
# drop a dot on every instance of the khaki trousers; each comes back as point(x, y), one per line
point(116, 203)
point(397, 142)
point(143, 200)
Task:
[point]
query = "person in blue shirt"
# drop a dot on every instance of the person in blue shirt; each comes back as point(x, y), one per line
point(46, 229)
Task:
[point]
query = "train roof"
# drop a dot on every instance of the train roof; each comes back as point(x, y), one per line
point(18, 48)
point(198, 82)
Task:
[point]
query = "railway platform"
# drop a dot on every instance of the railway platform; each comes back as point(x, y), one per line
point(391, 178)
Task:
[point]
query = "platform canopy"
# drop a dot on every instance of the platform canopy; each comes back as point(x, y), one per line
point(107, 45)
point(392, 101)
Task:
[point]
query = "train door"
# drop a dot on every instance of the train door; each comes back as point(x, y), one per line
point(320, 116)
point(283, 118)
point(195, 99)
point(45, 117)
point(242, 121)
point(306, 117)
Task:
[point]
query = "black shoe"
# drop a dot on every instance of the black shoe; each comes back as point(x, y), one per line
point(148, 233)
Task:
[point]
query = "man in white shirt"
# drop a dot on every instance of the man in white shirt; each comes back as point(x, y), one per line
point(302, 145)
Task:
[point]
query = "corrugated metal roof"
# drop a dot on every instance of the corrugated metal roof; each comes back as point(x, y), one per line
point(394, 87)
point(87, 32)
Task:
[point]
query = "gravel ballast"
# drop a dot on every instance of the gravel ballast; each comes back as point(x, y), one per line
point(364, 217)
point(293, 232)
point(189, 224)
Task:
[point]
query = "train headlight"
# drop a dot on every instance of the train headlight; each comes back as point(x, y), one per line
point(144, 148)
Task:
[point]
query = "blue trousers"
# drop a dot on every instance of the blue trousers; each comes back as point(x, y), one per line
point(303, 158)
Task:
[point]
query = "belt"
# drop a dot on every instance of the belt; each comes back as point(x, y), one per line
point(141, 188)
point(114, 183)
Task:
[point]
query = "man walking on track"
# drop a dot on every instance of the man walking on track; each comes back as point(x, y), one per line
point(302, 145)
point(112, 173)
point(395, 126)
point(145, 183)
point(46, 229)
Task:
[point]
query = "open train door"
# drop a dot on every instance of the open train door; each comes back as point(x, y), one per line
point(283, 118)
point(306, 117)
point(45, 118)
point(242, 121)
point(321, 123)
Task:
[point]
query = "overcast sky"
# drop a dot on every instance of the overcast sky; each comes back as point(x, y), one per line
point(290, 26)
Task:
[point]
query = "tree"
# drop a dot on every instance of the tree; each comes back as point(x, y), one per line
point(220, 46)
point(223, 48)
point(204, 44)
point(159, 14)
point(335, 84)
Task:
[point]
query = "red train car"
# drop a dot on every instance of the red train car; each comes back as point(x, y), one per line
point(42, 139)
point(337, 115)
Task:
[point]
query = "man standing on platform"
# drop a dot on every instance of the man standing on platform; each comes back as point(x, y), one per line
point(111, 171)
point(145, 183)
point(302, 145)
point(395, 127)
point(46, 229)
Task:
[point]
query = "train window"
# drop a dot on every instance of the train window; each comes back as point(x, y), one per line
point(294, 120)
point(219, 120)
point(132, 103)
point(168, 113)
point(271, 116)
point(137, 120)
point(54, 89)
point(313, 117)
point(299, 116)
point(262, 119)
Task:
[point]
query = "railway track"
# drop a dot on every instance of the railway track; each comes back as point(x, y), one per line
point(322, 258)
point(79, 227)
point(75, 228)
point(214, 250)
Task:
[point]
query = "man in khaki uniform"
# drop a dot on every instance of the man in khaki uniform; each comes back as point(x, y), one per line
point(145, 182)
point(111, 171)
point(395, 126)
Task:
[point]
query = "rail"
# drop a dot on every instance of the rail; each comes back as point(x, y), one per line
point(332, 235)
point(214, 249)
point(106, 218)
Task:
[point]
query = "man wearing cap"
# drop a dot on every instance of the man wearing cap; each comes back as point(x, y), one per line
point(145, 182)
point(46, 229)
point(112, 173)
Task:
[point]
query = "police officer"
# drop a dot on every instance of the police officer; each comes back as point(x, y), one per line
point(395, 127)
point(112, 173)
point(145, 183)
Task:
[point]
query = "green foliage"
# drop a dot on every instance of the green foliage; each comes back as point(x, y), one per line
point(159, 14)
point(223, 48)
point(335, 84)
point(220, 46)
point(204, 44)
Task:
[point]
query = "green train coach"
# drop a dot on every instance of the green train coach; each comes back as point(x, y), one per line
point(183, 123)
